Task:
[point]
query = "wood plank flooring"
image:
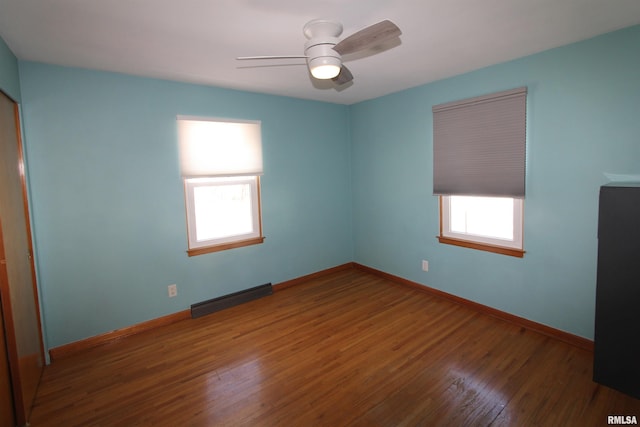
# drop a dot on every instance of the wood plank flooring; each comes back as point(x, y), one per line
point(347, 349)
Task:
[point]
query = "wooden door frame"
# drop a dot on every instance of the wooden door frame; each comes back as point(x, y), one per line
point(21, 407)
point(27, 220)
point(9, 335)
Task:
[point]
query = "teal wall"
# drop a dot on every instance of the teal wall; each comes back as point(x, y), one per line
point(341, 184)
point(583, 107)
point(9, 75)
point(108, 203)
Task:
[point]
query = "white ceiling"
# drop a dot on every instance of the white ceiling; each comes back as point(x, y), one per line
point(197, 40)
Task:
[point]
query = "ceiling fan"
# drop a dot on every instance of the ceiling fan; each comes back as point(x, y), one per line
point(323, 50)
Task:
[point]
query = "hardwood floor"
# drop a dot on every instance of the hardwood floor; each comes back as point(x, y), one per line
point(350, 349)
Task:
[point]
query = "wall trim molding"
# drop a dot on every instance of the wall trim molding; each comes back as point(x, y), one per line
point(301, 280)
point(65, 350)
point(575, 340)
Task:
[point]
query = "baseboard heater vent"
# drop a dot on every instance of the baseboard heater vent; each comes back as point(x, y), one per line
point(216, 304)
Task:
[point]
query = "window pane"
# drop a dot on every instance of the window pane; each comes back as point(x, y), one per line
point(482, 216)
point(222, 211)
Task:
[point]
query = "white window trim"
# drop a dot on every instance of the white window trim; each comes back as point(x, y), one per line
point(516, 243)
point(191, 183)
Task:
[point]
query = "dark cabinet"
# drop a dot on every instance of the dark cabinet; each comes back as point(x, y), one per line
point(617, 326)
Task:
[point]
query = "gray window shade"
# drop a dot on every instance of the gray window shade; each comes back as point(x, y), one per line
point(479, 145)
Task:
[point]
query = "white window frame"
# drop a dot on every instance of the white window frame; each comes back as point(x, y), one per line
point(225, 242)
point(492, 244)
point(220, 152)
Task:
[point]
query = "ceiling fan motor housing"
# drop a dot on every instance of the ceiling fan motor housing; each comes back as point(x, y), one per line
point(322, 53)
point(323, 36)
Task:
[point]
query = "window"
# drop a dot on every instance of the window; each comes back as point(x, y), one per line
point(221, 164)
point(489, 223)
point(479, 171)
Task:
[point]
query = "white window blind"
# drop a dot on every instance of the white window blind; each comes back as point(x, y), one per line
point(212, 147)
point(479, 145)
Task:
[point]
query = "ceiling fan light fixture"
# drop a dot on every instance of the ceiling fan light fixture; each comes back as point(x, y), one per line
point(323, 49)
point(324, 68)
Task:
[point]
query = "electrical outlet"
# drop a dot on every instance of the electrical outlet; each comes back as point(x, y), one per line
point(425, 265)
point(172, 290)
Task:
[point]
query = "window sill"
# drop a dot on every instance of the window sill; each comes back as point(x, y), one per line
point(519, 253)
point(225, 246)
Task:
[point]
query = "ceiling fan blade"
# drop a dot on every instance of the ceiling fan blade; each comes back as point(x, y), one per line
point(368, 37)
point(242, 58)
point(343, 77)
